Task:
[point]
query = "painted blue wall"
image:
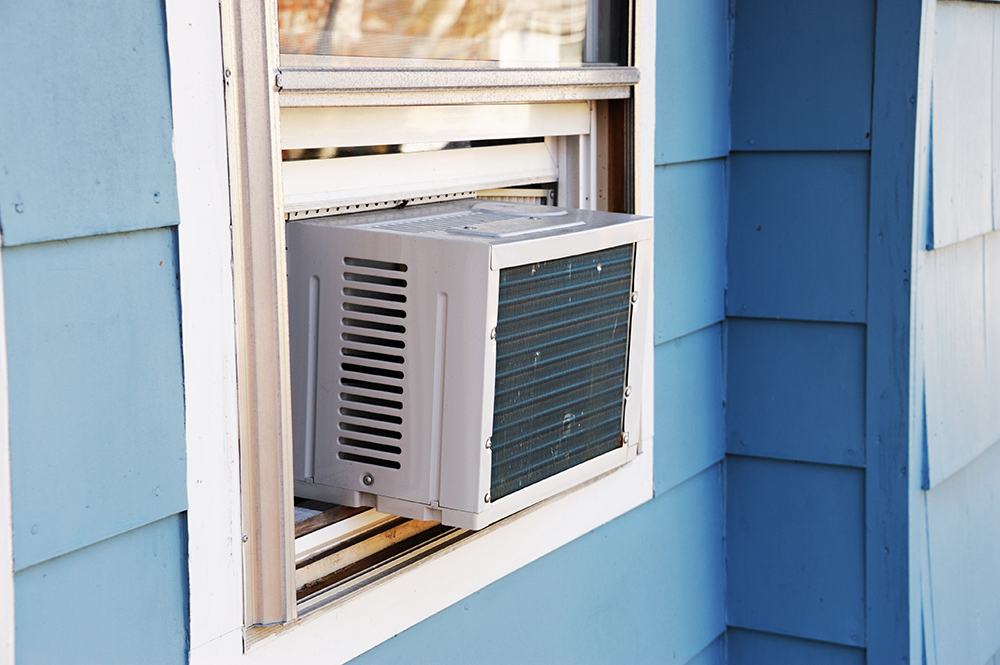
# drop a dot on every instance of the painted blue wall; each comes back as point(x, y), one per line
point(88, 212)
point(796, 334)
point(667, 605)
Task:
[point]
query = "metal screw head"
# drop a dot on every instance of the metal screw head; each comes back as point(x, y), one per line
point(635, 297)
point(489, 442)
point(625, 438)
point(487, 497)
point(628, 390)
point(493, 333)
point(368, 479)
point(245, 538)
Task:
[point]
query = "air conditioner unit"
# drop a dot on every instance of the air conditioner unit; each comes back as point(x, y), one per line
point(461, 361)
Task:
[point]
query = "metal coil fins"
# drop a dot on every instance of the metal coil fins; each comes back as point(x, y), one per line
point(562, 351)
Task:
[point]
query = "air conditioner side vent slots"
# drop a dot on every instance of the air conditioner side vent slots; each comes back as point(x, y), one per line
point(373, 365)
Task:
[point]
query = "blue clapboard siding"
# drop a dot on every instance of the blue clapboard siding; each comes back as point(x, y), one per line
point(689, 413)
point(802, 74)
point(795, 549)
point(965, 118)
point(797, 243)
point(646, 588)
point(690, 247)
point(123, 600)
point(713, 654)
point(96, 389)
point(692, 72)
point(85, 128)
point(963, 546)
point(796, 390)
point(961, 326)
point(747, 647)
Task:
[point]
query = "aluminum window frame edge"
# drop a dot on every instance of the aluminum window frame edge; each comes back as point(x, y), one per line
point(217, 582)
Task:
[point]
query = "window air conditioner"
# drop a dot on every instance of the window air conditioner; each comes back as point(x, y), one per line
point(460, 361)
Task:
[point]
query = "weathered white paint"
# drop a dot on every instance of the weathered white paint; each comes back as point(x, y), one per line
point(963, 121)
point(6, 532)
point(963, 533)
point(996, 119)
point(963, 417)
point(205, 247)
point(311, 127)
point(918, 564)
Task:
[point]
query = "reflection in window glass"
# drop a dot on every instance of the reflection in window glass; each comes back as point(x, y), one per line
point(506, 31)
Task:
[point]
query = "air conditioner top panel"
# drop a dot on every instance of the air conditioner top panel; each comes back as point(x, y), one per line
point(480, 222)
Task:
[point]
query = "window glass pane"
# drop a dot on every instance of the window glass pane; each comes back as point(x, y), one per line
point(508, 32)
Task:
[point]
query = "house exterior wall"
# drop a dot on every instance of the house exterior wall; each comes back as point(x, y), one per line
point(797, 259)
point(88, 211)
point(817, 331)
point(956, 533)
point(820, 497)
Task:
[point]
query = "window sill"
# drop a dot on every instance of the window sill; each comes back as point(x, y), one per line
point(343, 628)
point(321, 86)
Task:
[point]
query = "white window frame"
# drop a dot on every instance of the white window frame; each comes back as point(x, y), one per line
point(222, 604)
point(6, 515)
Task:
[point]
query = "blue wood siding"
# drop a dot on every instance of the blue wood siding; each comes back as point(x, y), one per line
point(689, 414)
point(809, 377)
point(96, 389)
point(123, 600)
point(88, 210)
point(747, 647)
point(690, 247)
point(799, 531)
point(713, 654)
point(90, 80)
point(798, 227)
point(692, 70)
point(802, 75)
point(646, 588)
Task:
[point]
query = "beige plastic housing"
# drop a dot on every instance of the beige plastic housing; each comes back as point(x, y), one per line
point(390, 319)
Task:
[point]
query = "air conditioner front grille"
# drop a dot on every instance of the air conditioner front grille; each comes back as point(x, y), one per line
point(562, 348)
point(371, 367)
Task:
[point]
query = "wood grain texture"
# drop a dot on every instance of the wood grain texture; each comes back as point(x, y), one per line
point(96, 389)
point(797, 241)
point(795, 537)
point(963, 408)
point(963, 541)
point(802, 75)
point(123, 600)
point(689, 399)
point(692, 67)
point(888, 383)
point(796, 390)
point(90, 80)
point(747, 647)
point(205, 252)
point(964, 121)
point(690, 249)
